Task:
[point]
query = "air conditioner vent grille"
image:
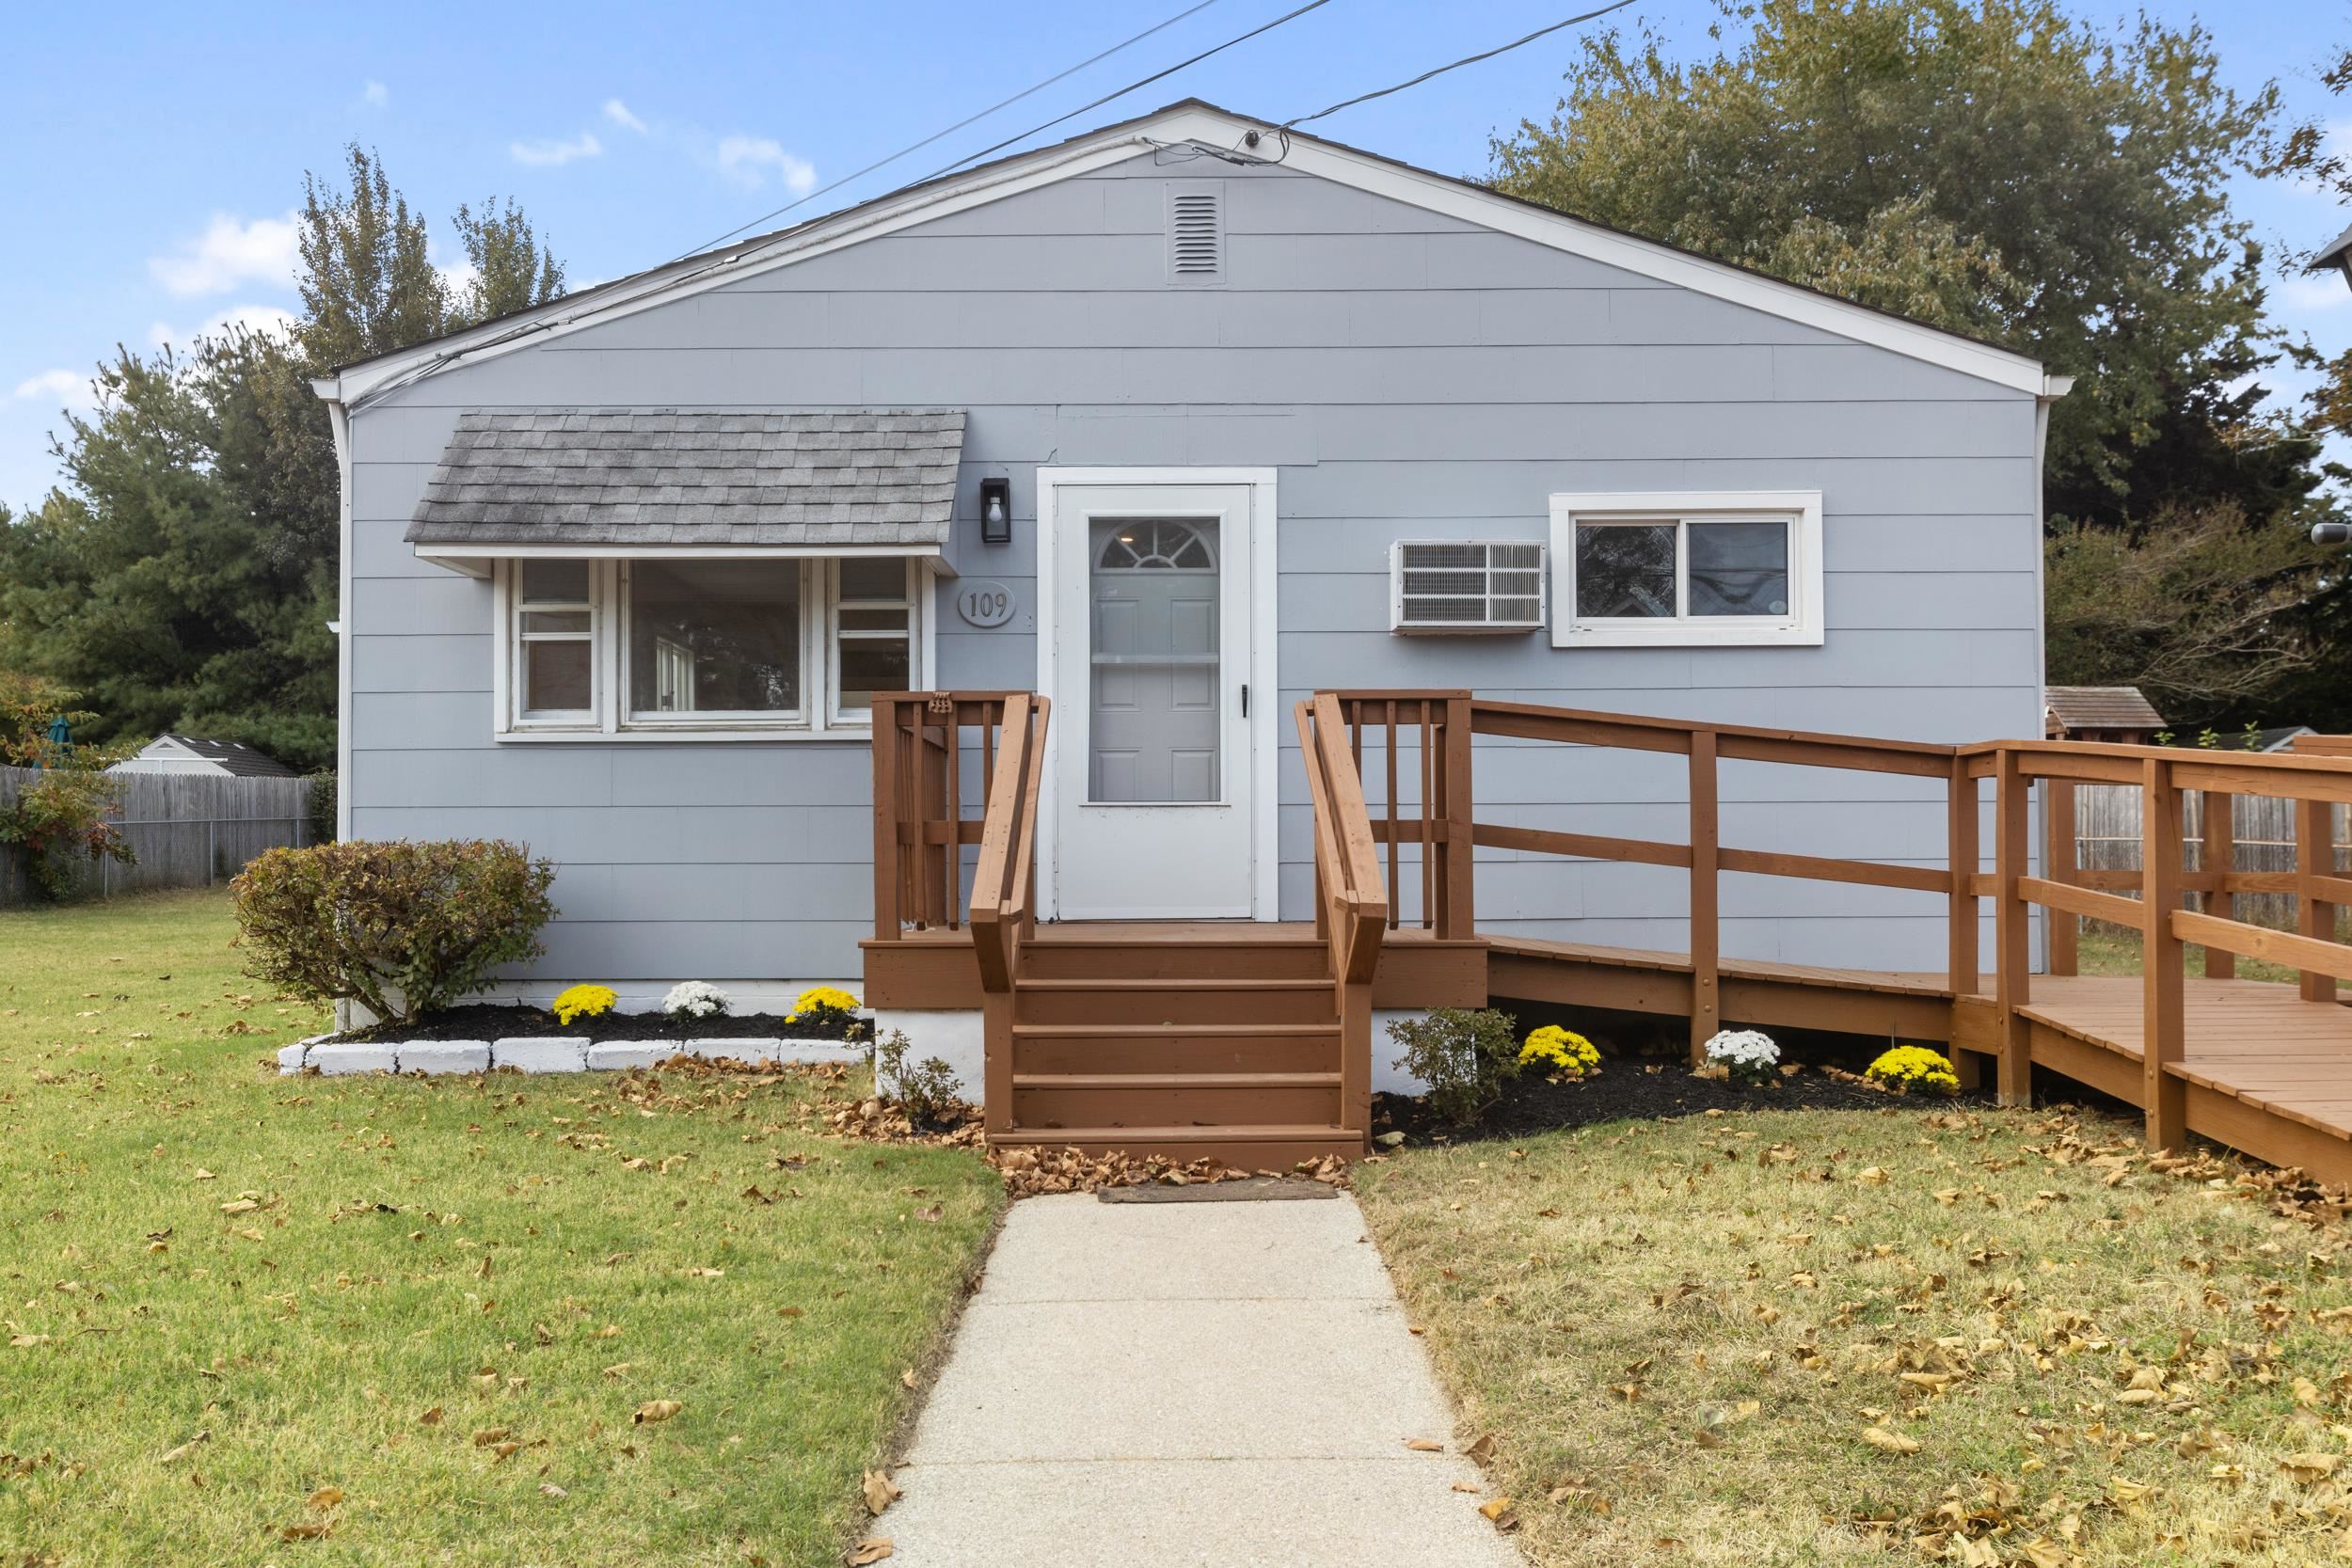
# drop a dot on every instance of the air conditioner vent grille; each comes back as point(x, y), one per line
point(1466, 586)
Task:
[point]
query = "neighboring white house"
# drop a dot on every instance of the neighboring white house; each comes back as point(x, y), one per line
point(188, 754)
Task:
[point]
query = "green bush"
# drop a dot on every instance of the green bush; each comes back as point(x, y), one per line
point(62, 816)
point(1465, 1058)
point(401, 928)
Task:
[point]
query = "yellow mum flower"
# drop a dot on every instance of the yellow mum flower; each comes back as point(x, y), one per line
point(1559, 1050)
point(831, 998)
point(584, 1002)
point(1915, 1066)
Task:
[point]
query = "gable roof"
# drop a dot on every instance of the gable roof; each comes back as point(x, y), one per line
point(229, 756)
point(2100, 707)
point(667, 476)
point(1220, 132)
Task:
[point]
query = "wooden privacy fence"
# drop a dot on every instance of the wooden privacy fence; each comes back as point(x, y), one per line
point(2257, 835)
point(188, 829)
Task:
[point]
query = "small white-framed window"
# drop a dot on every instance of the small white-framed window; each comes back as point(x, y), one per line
point(1700, 569)
point(556, 610)
point(696, 647)
point(872, 640)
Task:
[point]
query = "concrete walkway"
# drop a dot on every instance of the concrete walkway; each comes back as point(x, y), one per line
point(1149, 1385)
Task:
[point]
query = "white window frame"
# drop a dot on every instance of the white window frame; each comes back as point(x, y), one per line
point(1799, 510)
point(512, 639)
point(610, 720)
point(909, 599)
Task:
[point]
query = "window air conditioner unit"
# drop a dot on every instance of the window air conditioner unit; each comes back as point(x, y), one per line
point(1466, 586)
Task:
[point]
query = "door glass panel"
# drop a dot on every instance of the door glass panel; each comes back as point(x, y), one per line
point(1154, 643)
point(1740, 569)
point(1625, 570)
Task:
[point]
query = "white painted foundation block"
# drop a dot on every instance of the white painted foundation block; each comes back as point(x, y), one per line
point(955, 1036)
point(540, 1054)
point(1386, 1077)
point(444, 1056)
point(620, 1055)
point(339, 1057)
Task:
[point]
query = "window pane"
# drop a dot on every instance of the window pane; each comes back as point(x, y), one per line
point(555, 581)
point(573, 621)
point(1740, 569)
point(871, 664)
point(555, 678)
point(1625, 570)
point(714, 637)
point(874, 620)
point(874, 577)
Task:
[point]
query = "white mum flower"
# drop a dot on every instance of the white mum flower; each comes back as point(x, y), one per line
point(697, 999)
point(1743, 1047)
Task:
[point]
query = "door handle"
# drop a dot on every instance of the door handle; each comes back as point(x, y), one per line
point(1244, 698)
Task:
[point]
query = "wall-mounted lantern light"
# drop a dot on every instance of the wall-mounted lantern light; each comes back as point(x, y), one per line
point(996, 511)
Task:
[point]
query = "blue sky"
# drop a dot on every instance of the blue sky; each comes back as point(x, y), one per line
point(155, 151)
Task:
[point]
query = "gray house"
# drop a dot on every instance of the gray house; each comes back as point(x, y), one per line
point(1175, 422)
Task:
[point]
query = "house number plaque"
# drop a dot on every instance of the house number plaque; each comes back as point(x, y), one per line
point(985, 603)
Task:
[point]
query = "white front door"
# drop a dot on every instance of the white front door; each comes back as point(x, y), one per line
point(1147, 648)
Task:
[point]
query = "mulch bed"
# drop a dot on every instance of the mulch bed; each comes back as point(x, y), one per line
point(488, 1020)
point(1633, 1089)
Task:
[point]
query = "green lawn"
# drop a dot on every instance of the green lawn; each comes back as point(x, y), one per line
point(421, 1315)
point(1885, 1338)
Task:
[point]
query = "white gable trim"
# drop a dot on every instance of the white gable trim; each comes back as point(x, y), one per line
point(1213, 127)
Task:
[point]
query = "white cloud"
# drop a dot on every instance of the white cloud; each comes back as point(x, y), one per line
point(253, 318)
point(749, 161)
point(2315, 290)
point(617, 112)
point(228, 253)
point(548, 151)
point(459, 277)
point(70, 388)
point(375, 94)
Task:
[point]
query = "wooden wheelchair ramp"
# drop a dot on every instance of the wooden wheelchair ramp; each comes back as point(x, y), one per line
point(1254, 1045)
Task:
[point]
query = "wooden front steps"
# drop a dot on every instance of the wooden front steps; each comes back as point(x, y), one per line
point(1182, 1048)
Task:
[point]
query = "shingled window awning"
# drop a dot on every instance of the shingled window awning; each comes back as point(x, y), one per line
point(668, 481)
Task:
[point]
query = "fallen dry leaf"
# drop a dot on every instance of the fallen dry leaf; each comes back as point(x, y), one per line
point(324, 1499)
point(431, 1417)
point(1423, 1444)
point(1893, 1442)
point(872, 1549)
point(308, 1531)
point(186, 1448)
point(548, 1489)
point(2310, 1468)
point(656, 1410)
point(880, 1492)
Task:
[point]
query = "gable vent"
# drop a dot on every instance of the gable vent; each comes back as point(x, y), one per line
point(1196, 237)
point(1466, 586)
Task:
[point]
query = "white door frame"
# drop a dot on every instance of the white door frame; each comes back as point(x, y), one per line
point(1266, 889)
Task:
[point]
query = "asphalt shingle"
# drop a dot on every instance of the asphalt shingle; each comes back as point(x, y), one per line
point(765, 476)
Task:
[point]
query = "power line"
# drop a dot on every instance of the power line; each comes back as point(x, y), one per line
point(1134, 87)
point(936, 135)
point(1467, 59)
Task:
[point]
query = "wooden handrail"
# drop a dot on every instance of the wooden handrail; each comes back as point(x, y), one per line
point(1351, 909)
point(1437, 817)
point(1004, 879)
point(920, 824)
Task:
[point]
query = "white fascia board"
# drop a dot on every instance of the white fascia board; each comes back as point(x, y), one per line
point(476, 560)
point(1434, 193)
point(1377, 176)
point(855, 223)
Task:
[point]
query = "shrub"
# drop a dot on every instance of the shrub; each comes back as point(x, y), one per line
point(1464, 1058)
point(400, 928)
point(1747, 1056)
point(1914, 1067)
point(1561, 1053)
point(580, 1002)
point(697, 999)
point(926, 1091)
point(59, 816)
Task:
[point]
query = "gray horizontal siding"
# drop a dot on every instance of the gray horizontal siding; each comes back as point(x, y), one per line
point(1408, 375)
